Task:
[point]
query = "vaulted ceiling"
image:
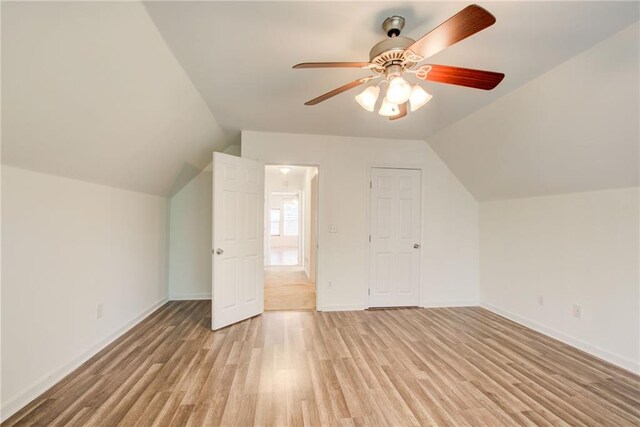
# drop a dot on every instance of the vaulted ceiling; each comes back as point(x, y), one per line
point(110, 93)
point(91, 91)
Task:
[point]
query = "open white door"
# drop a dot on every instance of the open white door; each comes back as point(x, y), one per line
point(238, 235)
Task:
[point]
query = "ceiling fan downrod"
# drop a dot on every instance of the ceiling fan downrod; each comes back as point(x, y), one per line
point(393, 25)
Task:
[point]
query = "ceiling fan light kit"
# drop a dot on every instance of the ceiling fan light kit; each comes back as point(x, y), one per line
point(399, 91)
point(388, 109)
point(418, 97)
point(368, 98)
point(396, 57)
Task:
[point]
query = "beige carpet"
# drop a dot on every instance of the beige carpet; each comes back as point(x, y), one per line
point(288, 289)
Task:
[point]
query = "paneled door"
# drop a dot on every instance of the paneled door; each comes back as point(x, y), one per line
point(394, 253)
point(238, 251)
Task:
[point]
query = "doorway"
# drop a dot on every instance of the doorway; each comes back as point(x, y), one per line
point(291, 203)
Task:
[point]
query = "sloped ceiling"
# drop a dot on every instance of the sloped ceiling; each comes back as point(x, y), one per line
point(137, 96)
point(91, 91)
point(575, 128)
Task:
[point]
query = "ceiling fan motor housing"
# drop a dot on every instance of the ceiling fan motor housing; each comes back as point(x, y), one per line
point(390, 51)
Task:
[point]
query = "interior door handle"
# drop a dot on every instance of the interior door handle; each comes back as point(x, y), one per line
point(219, 251)
point(416, 246)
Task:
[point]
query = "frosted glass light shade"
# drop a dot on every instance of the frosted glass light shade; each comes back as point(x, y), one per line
point(388, 108)
point(399, 90)
point(418, 97)
point(368, 97)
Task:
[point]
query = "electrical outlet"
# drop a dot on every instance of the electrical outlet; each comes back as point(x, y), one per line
point(540, 300)
point(577, 311)
point(99, 311)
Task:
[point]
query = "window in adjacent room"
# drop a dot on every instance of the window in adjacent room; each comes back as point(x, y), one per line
point(290, 218)
point(275, 222)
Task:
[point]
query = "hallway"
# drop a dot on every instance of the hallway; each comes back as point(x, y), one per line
point(288, 288)
point(283, 256)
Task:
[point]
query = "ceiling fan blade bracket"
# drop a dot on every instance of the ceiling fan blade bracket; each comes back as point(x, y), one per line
point(412, 57)
point(421, 72)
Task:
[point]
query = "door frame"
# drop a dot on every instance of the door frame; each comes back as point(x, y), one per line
point(319, 218)
point(394, 165)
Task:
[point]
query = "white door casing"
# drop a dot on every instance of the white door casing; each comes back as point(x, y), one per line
point(394, 254)
point(313, 235)
point(238, 239)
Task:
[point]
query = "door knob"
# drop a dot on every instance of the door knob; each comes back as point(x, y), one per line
point(219, 251)
point(416, 246)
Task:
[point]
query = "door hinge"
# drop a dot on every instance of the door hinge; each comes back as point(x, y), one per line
point(369, 291)
point(369, 238)
point(370, 184)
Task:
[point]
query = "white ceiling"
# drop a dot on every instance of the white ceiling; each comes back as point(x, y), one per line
point(91, 91)
point(239, 56)
point(274, 176)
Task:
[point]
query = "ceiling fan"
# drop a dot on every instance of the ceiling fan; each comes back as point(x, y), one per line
point(395, 56)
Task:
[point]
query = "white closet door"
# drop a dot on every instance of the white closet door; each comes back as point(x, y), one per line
point(394, 264)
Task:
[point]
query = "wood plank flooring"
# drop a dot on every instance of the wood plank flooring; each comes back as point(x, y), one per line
point(287, 288)
point(445, 366)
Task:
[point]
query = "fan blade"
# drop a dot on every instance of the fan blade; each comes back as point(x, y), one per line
point(333, 65)
point(467, 77)
point(465, 23)
point(339, 90)
point(402, 113)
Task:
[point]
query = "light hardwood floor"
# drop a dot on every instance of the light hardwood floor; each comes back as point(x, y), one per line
point(288, 289)
point(445, 366)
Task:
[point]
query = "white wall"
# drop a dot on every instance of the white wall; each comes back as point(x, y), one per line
point(579, 248)
point(68, 246)
point(190, 240)
point(450, 214)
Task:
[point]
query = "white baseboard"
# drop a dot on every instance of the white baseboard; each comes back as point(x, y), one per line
point(343, 307)
point(184, 297)
point(623, 362)
point(453, 303)
point(428, 304)
point(36, 389)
